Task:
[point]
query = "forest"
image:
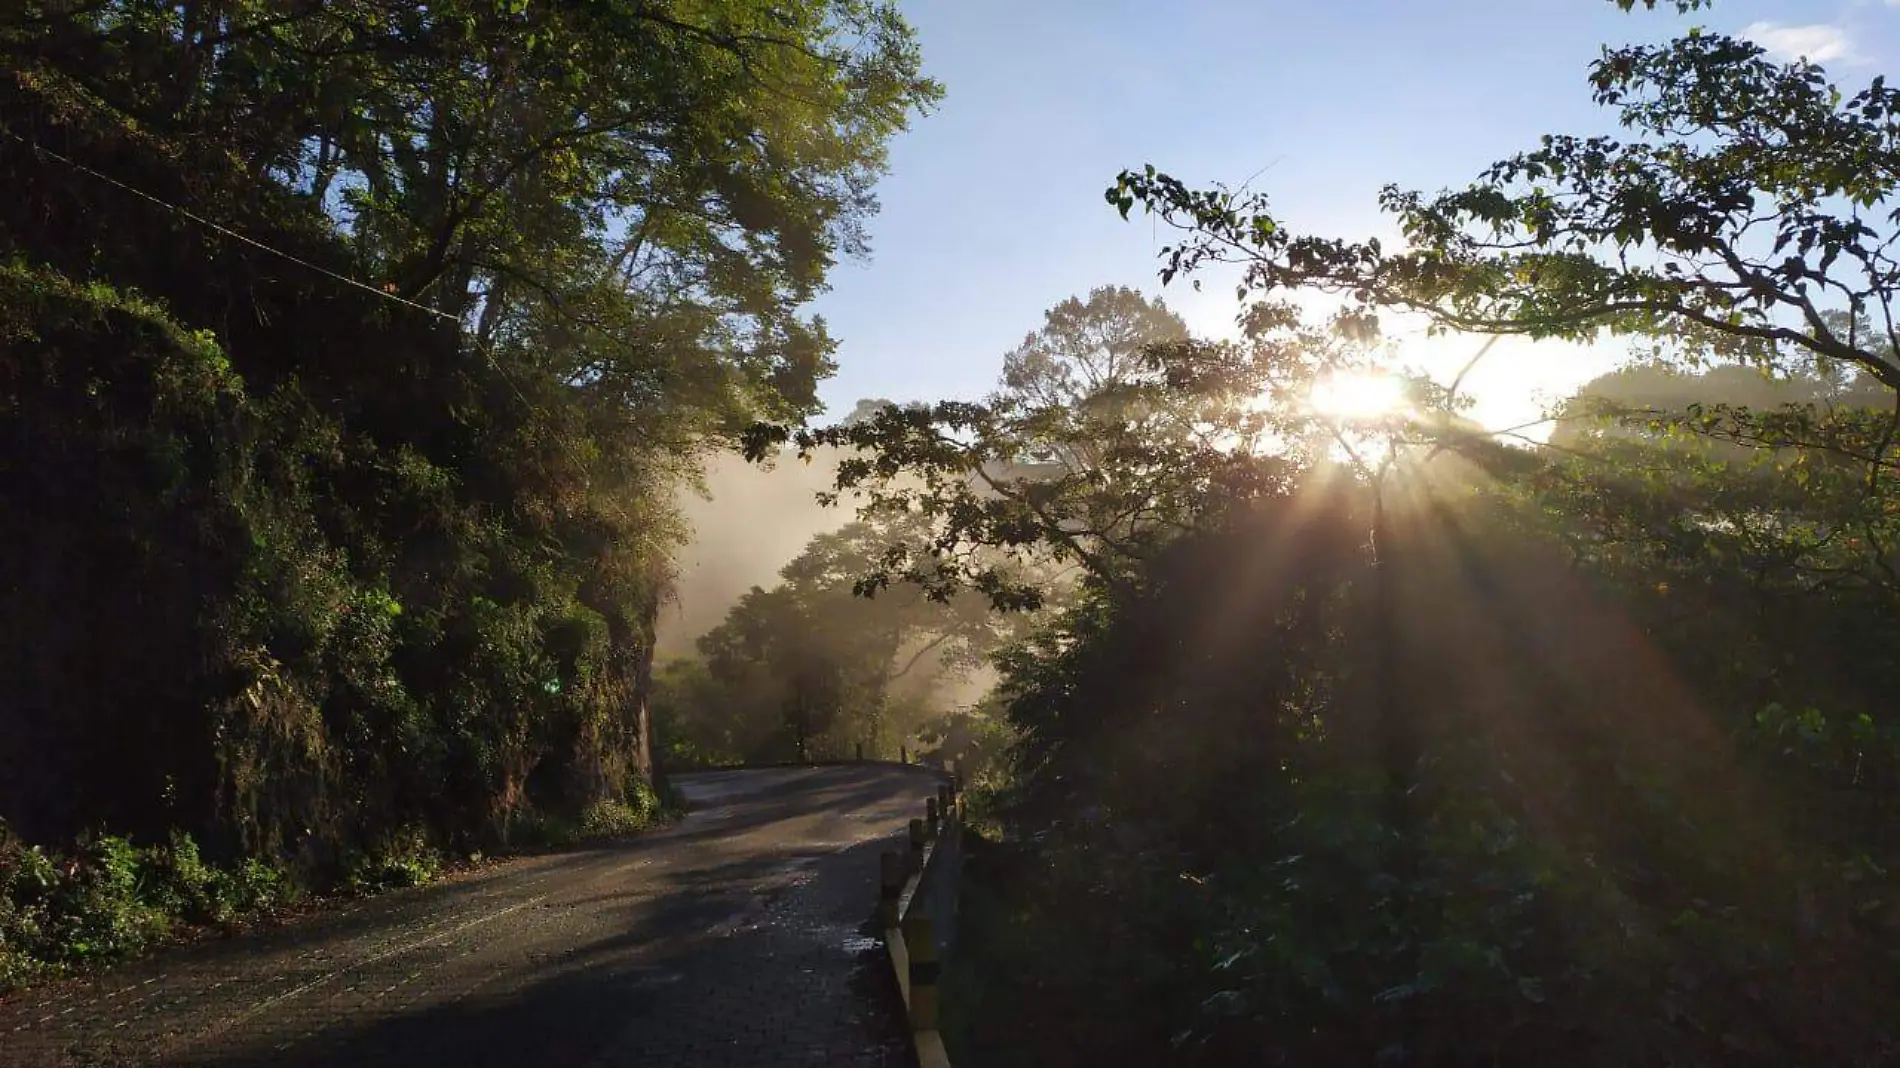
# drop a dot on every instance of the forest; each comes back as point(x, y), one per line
point(353, 354)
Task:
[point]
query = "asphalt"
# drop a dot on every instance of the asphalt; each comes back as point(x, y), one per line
point(737, 937)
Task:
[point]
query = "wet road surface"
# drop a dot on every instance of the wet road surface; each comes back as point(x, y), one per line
point(733, 938)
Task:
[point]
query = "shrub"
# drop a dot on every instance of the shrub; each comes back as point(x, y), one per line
point(611, 817)
point(257, 885)
point(175, 879)
point(97, 910)
point(402, 859)
point(57, 911)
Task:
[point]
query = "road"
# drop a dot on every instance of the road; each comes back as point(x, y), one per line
point(736, 937)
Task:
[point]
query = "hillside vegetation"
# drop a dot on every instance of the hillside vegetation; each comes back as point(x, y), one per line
point(352, 356)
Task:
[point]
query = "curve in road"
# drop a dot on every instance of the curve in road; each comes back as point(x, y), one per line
point(735, 937)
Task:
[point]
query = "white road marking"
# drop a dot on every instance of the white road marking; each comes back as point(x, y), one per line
point(363, 963)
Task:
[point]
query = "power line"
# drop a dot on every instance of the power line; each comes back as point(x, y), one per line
point(234, 235)
point(225, 231)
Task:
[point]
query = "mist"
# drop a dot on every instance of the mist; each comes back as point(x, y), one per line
point(750, 523)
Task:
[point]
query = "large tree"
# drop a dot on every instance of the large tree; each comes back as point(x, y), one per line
point(1112, 431)
point(355, 353)
point(1743, 216)
point(810, 667)
point(1648, 774)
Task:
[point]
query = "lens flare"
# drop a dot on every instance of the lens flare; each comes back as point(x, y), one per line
point(1357, 395)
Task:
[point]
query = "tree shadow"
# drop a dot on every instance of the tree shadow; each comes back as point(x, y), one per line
point(792, 979)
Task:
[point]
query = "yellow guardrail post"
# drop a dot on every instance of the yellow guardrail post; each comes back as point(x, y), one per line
point(921, 946)
point(903, 916)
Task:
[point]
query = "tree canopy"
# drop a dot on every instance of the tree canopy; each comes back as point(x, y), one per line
point(809, 669)
point(1368, 738)
point(352, 355)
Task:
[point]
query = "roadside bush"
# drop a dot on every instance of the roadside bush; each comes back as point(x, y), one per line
point(97, 910)
point(109, 899)
point(256, 885)
point(402, 859)
point(178, 881)
point(610, 817)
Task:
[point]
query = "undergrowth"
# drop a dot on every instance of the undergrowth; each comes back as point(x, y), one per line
point(108, 899)
point(608, 817)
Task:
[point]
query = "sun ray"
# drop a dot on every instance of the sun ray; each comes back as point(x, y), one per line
point(1357, 395)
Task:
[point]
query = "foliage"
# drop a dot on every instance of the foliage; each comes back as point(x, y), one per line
point(684, 693)
point(111, 898)
point(1587, 759)
point(613, 817)
point(1113, 433)
point(810, 669)
point(401, 858)
point(351, 355)
point(974, 739)
point(608, 817)
point(1740, 217)
point(1204, 786)
point(1458, 753)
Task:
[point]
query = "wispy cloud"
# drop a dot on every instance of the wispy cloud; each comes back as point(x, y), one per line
point(1818, 42)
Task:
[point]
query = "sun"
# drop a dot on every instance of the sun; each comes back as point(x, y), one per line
point(1357, 395)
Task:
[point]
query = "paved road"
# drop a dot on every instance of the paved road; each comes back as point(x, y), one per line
point(734, 938)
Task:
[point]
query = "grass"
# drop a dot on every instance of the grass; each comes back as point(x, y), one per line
point(108, 899)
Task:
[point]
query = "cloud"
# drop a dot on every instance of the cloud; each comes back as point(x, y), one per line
point(1819, 42)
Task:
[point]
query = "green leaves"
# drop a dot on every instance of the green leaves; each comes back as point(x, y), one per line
point(1682, 6)
point(410, 562)
point(1661, 233)
point(835, 655)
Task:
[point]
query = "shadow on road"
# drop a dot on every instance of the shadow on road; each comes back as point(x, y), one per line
point(738, 936)
point(731, 977)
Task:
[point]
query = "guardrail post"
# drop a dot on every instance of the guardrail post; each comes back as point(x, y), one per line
point(890, 887)
point(916, 845)
point(920, 945)
point(860, 752)
point(946, 802)
point(932, 821)
point(903, 754)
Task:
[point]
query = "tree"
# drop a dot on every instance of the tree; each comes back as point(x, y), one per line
point(1738, 221)
point(1740, 225)
point(1087, 354)
point(865, 409)
point(810, 667)
point(386, 478)
point(1731, 222)
point(1112, 433)
point(1637, 668)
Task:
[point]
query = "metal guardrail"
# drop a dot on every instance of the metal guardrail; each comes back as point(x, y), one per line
point(917, 912)
point(917, 897)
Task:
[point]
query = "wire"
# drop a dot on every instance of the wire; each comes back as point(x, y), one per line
point(461, 327)
point(230, 233)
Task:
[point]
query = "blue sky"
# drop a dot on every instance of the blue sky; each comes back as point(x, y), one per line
point(993, 209)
